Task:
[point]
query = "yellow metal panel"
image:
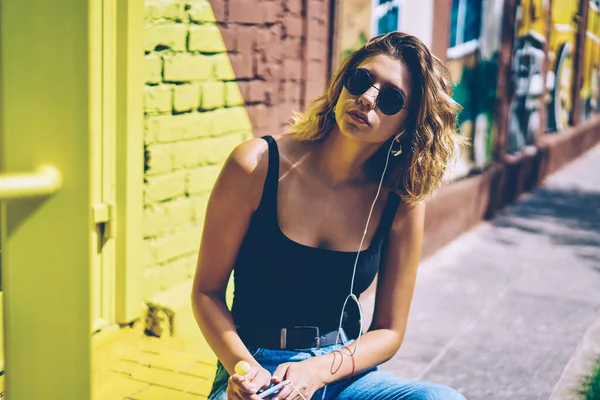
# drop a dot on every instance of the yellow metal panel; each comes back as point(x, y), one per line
point(45, 260)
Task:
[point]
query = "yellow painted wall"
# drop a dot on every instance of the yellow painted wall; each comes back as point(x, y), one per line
point(194, 117)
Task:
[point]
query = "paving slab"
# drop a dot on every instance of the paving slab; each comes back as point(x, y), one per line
point(130, 365)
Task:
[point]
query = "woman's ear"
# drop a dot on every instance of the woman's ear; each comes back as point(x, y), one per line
point(399, 134)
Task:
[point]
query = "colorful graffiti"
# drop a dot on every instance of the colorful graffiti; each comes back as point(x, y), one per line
point(590, 89)
point(474, 39)
point(473, 62)
point(527, 74)
point(474, 43)
point(531, 35)
point(542, 70)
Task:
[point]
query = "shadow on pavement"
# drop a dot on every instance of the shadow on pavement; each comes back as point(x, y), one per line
point(568, 217)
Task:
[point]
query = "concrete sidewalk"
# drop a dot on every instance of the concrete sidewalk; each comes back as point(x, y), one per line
point(500, 312)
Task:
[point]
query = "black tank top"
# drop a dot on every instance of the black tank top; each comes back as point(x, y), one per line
point(281, 283)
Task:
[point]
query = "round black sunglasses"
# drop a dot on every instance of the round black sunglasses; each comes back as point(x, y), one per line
point(390, 100)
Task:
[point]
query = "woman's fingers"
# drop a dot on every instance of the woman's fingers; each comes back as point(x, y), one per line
point(243, 385)
point(280, 373)
point(287, 393)
point(253, 372)
point(262, 379)
point(232, 394)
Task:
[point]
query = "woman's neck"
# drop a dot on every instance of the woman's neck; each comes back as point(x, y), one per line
point(342, 161)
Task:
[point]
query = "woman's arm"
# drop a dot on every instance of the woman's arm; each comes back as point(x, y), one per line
point(235, 196)
point(395, 288)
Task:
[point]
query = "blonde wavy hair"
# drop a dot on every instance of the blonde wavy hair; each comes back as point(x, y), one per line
point(430, 137)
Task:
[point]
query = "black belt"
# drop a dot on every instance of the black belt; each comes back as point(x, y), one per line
point(294, 338)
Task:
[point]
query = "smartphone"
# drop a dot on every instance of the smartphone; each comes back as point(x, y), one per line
point(272, 390)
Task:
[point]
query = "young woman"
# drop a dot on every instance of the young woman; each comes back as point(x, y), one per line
point(307, 220)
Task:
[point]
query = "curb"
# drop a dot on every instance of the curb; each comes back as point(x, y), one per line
point(580, 364)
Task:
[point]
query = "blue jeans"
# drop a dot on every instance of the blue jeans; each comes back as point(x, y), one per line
point(369, 385)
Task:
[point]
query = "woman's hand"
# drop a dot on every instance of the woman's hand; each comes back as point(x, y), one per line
point(245, 388)
point(304, 375)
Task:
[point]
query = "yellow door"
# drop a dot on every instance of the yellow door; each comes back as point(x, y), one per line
point(46, 124)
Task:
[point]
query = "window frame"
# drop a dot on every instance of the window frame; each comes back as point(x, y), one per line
point(462, 47)
point(379, 10)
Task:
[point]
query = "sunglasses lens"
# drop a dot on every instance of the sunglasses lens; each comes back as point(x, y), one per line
point(357, 82)
point(390, 101)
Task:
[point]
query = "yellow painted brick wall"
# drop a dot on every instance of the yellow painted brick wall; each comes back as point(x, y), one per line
point(194, 117)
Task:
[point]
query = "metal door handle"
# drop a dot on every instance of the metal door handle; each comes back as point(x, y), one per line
point(45, 181)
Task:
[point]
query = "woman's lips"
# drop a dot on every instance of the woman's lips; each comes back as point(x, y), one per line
point(358, 118)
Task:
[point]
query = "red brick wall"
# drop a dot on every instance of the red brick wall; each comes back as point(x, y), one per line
point(441, 28)
point(279, 52)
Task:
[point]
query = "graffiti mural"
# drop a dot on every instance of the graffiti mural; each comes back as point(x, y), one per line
point(542, 73)
point(563, 31)
point(527, 73)
point(590, 89)
point(474, 43)
point(532, 19)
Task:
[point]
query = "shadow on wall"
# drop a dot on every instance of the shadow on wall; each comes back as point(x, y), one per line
point(563, 215)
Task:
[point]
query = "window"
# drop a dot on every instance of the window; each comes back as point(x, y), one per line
point(385, 16)
point(465, 27)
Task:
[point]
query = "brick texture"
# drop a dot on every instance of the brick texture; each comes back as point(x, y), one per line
point(194, 117)
point(272, 48)
point(217, 72)
point(316, 50)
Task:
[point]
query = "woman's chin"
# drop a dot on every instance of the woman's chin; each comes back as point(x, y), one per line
point(354, 128)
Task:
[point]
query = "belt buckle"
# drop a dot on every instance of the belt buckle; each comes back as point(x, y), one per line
point(283, 334)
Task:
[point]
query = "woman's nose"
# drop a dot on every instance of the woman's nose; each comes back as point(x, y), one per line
point(369, 97)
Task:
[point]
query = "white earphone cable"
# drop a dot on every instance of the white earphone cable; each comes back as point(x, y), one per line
point(352, 295)
point(297, 391)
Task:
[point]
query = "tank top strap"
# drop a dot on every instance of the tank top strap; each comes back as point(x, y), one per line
point(269, 196)
point(387, 217)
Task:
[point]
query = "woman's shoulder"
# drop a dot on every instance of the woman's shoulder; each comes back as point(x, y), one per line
point(250, 156)
point(253, 155)
point(246, 169)
point(408, 214)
